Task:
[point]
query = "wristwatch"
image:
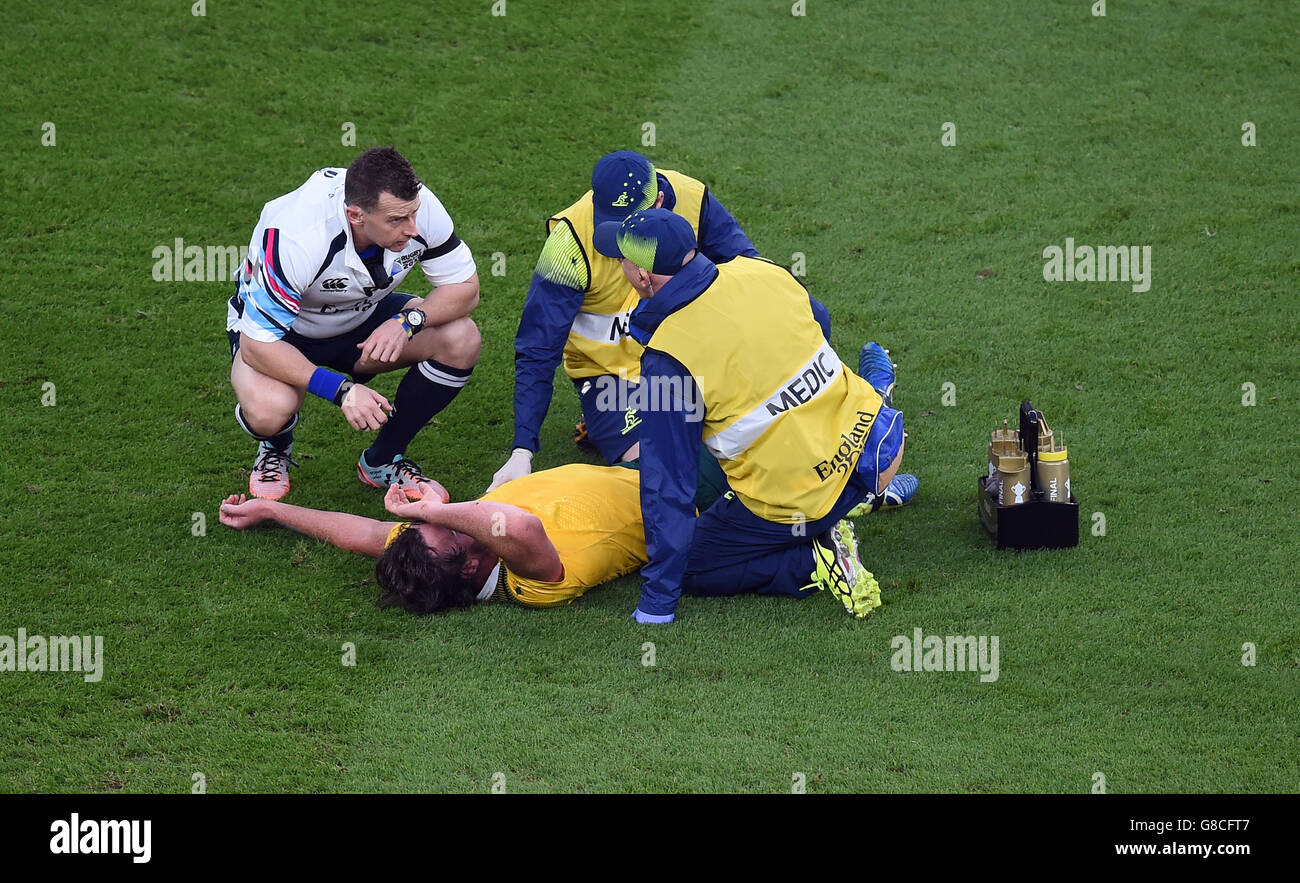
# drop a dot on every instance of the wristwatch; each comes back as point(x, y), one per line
point(412, 321)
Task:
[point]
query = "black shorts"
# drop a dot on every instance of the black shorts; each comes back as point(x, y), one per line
point(339, 353)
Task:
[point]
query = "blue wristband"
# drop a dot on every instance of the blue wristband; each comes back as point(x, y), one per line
point(325, 383)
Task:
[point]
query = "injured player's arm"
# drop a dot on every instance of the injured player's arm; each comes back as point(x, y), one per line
point(514, 535)
point(355, 533)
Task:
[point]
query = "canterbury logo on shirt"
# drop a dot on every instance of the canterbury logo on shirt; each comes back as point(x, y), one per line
point(808, 383)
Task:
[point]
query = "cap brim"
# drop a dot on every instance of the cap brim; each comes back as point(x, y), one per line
point(602, 215)
point(605, 238)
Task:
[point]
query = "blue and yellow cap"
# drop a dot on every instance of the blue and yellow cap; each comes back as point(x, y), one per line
point(622, 182)
point(655, 239)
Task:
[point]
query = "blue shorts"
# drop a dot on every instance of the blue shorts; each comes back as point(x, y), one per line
point(884, 441)
point(339, 353)
point(733, 551)
point(610, 430)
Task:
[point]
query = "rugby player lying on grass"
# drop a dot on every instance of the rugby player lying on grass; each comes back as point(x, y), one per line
point(541, 540)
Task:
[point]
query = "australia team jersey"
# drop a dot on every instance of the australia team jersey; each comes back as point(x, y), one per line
point(592, 515)
point(304, 272)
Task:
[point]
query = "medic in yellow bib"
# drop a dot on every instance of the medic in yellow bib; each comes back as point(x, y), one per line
point(578, 303)
point(735, 360)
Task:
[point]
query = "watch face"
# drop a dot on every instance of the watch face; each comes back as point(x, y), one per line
point(415, 318)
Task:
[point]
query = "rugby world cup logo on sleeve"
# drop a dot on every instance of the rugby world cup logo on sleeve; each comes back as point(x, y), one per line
point(403, 263)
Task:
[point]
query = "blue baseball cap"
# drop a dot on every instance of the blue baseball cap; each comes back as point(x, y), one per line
point(622, 182)
point(655, 239)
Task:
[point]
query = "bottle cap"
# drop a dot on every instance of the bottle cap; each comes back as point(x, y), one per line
point(1013, 462)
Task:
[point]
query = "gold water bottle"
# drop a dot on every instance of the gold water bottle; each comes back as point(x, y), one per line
point(1054, 474)
point(1002, 442)
point(1045, 439)
point(1013, 479)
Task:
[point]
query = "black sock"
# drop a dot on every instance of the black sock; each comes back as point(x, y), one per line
point(280, 440)
point(427, 388)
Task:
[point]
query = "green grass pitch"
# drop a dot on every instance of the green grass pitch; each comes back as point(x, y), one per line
point(823, 134)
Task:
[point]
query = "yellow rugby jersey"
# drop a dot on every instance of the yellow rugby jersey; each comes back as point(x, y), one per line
point(592, 515)
point(784, 416)
point(598, 341)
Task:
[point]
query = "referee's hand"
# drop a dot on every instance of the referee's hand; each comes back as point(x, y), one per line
point(385, 343)
point(364, 408)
